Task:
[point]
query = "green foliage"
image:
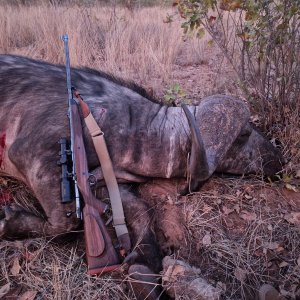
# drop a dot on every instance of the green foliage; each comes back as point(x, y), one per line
point(175, 94)
point(261, 39)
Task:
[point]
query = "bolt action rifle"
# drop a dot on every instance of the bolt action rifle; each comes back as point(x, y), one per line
point(101, 255)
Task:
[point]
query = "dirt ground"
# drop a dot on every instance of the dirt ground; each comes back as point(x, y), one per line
point(239, 232)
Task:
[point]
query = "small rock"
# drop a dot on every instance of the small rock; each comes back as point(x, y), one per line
point(179, 279)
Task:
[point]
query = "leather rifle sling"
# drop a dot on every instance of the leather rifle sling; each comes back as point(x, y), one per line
point(110, 180)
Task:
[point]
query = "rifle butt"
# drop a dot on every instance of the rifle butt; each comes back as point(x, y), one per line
point(101, 255)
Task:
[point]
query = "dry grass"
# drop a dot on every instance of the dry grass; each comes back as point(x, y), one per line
point(53, 271)
point(240, 234)
point(52, 267)
point(244, 236)
point(136, 45)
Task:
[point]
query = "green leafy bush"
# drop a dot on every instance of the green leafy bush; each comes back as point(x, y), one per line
point(261, 39)
point(175, 94)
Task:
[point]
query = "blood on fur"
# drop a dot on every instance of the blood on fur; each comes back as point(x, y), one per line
point(5, 197)
point(2, 146)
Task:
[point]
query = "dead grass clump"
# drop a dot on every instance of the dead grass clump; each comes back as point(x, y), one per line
point(244, 236)
point(52, 271)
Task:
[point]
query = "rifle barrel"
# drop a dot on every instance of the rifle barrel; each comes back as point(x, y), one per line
point(65, 38)
point(71, 102)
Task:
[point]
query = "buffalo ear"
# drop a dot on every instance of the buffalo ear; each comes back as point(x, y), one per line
point(221, 119)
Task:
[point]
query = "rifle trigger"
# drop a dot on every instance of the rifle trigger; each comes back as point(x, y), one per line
point(92, 179)
point(109, 221)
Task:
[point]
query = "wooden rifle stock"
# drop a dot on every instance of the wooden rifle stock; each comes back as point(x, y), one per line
point(100, 252)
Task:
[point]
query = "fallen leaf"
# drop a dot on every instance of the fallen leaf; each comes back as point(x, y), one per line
point(238, 193)
point(4, 290)
point(215, 193)
point(240, 274)
point(237, 208)
point(248, 188)
point(259, 253)
point(173, 272)
point(248, 197)
point(227, 210)
point(291, 187)
point(248, 216)
point(280, 249)
point(293, 218)
point(206, 208)
point(29, 295)
point(271, 245)
point(298, 261)
point(283, 264)
point(298, 174)
point(254, 118)
point(206, 240)
point(15, 269)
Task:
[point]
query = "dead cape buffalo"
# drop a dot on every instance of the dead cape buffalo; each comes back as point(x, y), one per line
point(146, 141)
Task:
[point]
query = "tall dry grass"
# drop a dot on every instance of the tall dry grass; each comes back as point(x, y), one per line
point(132, 44)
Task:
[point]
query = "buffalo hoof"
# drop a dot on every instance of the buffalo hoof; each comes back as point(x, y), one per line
point(144, 283)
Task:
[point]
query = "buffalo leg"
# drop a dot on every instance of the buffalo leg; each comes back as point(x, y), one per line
point(43, 177)
point(15, 222)
point(41, 174)
point(146, 264)
point(140, 223)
